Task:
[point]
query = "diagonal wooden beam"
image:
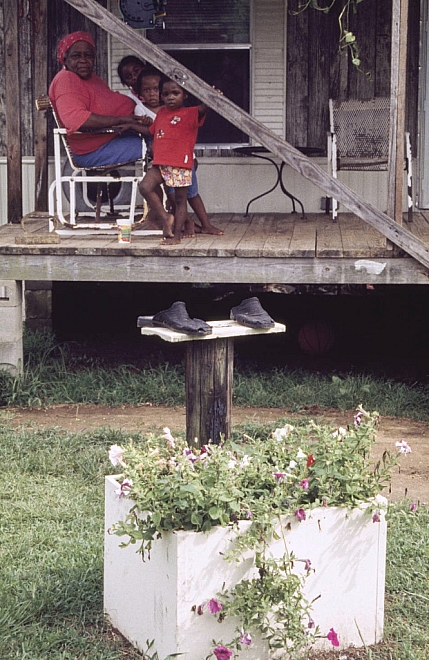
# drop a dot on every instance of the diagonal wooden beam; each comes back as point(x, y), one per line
point(240, 118)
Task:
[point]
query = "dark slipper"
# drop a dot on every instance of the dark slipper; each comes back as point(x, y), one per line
point(177, 318)
point(251, 314)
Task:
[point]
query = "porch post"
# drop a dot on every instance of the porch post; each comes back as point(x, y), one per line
point(13, 111)
point(398, 80)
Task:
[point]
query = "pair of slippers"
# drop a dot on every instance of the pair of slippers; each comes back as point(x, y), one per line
point(249, 313)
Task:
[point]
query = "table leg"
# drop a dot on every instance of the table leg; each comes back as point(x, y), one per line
point(208, 375)
point(288, 194)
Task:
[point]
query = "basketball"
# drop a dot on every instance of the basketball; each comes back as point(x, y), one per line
point(316, 337)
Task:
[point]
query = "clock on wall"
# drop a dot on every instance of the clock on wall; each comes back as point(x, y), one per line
point(143, 14)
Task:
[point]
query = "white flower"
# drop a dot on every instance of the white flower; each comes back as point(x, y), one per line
point(292, 465)
point(404, 447)
point(281, 434)
point(116, 454)
point(168, 437)
point(245, 461)
point(301, 454)
point(340, 433)
point(232, 463)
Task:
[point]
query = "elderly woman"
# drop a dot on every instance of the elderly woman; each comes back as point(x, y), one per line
point(81, 100)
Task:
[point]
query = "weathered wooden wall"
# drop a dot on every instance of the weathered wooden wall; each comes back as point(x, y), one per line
point(315, 68)
point(62, 19)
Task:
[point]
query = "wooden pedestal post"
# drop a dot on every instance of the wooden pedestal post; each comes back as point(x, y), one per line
point(208, 372)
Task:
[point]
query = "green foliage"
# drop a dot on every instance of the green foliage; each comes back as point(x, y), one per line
point(175, 487)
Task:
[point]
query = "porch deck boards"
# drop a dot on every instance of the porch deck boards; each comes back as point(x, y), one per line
point(264, 248)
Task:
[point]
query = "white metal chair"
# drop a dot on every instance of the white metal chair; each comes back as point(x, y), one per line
point(359, 140)
point(68, 174)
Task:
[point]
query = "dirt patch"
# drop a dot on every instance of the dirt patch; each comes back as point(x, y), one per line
point(411, 480)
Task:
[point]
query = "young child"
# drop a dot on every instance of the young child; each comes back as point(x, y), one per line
point(147, 86)
point(129, 69)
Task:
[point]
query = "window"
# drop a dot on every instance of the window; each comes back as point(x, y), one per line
point(212, 39)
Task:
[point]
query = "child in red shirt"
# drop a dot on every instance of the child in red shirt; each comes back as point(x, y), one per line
point(175, 130)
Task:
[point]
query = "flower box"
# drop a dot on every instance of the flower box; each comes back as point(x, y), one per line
point(158, 598)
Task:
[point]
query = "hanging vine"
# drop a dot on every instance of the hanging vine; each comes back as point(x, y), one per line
point(347, 39)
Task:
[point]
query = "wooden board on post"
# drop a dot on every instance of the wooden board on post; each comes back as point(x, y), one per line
point(208, 374)
point(13, 117)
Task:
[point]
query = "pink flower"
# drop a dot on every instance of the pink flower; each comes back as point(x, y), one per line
point(404, 447)
point(307, 563)
point(222, 653)
point(376, 516)
point(300, 514)
point(414, 506)
point(246, 639)
point(304, 484)
point(311, 623)
point(333, 637)
point(125, 488)
point(279, 475)
point(214, 606)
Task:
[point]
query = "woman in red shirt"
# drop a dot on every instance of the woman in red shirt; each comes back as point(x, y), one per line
point(81, 99)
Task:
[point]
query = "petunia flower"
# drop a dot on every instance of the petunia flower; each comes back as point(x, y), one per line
point(214, 606)
point(300, 514)
point(279, 475)
point(300, 454)
point(376, 516)
point(304, 484)
point(169, 438)
point(245, 461)
point(310, 460)
point(222, 653)
point(404, 447)
point(125, 488)
point(414, 506)
point(307, 563)
point(311, 623)
point(116, 455)
point(340, 433)
point(281, 434)
point(245, 639)
point(190, 455)
point(358, 419)
point(292, 465)
point(333, 637)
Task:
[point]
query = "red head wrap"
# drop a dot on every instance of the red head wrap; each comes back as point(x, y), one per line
point(71, 39)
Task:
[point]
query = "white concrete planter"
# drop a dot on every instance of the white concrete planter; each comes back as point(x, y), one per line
point(155, 599)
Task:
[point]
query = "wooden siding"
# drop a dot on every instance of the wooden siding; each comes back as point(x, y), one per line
point(268, 63)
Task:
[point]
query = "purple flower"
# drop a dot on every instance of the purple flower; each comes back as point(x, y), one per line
point(190, 455)
point(404, 447)
point(307, 564)
point(214, 606)
point(376, 516)
point(414, 506)
point(358, 418)
point(279, 475)
point(249, 514)
point(124, 488)
point(246, 639)
point(300, 514)
point(304, 484)
point(311, 623)
point(222, 653)
point(333, 637)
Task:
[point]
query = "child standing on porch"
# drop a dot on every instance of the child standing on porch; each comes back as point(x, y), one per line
point(148, 87)
point(175, 132)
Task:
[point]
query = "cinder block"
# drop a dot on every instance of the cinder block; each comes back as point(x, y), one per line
point(12, 296)
point(10, 323)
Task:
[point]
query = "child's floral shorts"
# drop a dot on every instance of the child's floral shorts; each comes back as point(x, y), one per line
point(176, 177)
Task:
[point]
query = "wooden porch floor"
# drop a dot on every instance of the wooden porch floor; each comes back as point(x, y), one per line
point(261, 248)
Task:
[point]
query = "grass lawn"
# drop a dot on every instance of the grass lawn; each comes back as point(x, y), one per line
point(51, 555)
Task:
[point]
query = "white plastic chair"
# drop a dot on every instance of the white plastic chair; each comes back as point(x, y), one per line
point(104, 217)
point(359, 140)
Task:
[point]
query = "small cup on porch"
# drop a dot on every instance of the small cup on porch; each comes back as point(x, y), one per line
point(124, 230)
